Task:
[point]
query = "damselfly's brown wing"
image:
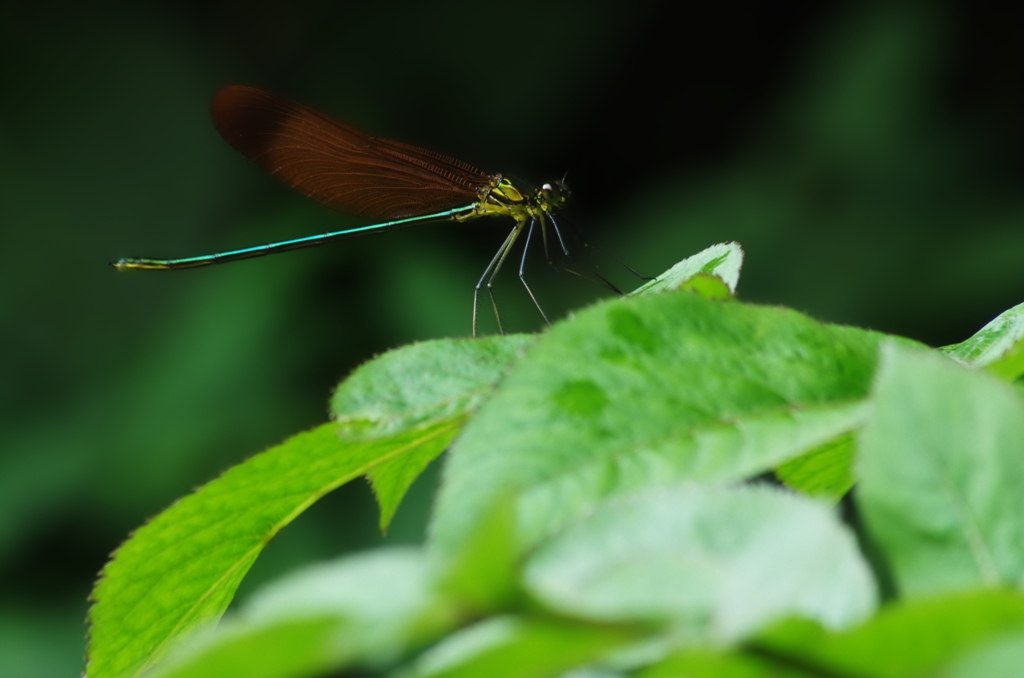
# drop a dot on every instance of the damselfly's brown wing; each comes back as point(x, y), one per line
point(339, 166)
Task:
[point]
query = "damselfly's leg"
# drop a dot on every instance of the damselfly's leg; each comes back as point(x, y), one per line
point(600, 279)
point(575, 231)
point(522, 275)
point(544, 237)
point(491, 271)
point(543, 217)
point(558, 232)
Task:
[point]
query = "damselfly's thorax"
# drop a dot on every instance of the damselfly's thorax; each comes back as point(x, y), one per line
point(502, 198)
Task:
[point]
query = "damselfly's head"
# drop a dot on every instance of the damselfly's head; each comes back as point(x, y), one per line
point(553, 196)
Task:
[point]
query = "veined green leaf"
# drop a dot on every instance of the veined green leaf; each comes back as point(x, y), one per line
point(998, 346)
point(941, 467)
point(646, 391)
point(180, 570)
point(722, 261)
point(826, 472)
point(358, 610)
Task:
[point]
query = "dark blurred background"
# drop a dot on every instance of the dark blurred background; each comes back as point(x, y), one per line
point(866, 154)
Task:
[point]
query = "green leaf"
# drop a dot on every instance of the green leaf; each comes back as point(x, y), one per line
point(1002, 658)
point(180, 570)
point(519, 648)
point(733, 558)
point(423, 383)
point(722, 261)
point(941, 466)
point(414, 386)
point(906, 639)
point(650, 390)
point(287, 649)
point(998, 346)
point(388, 594)
point(391, 480)
point(483, 574)
point(368, 608)
point(826, 472)
point(595, 672)
point(708, 286)
point(710, 664)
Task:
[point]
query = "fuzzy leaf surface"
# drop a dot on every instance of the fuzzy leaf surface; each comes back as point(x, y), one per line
point(648, 391)
point(414, 386)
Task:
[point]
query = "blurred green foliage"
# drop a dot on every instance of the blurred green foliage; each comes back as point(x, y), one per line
point(866, 155)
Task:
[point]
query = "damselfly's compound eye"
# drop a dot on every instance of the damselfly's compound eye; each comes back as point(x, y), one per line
point(555, 195)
